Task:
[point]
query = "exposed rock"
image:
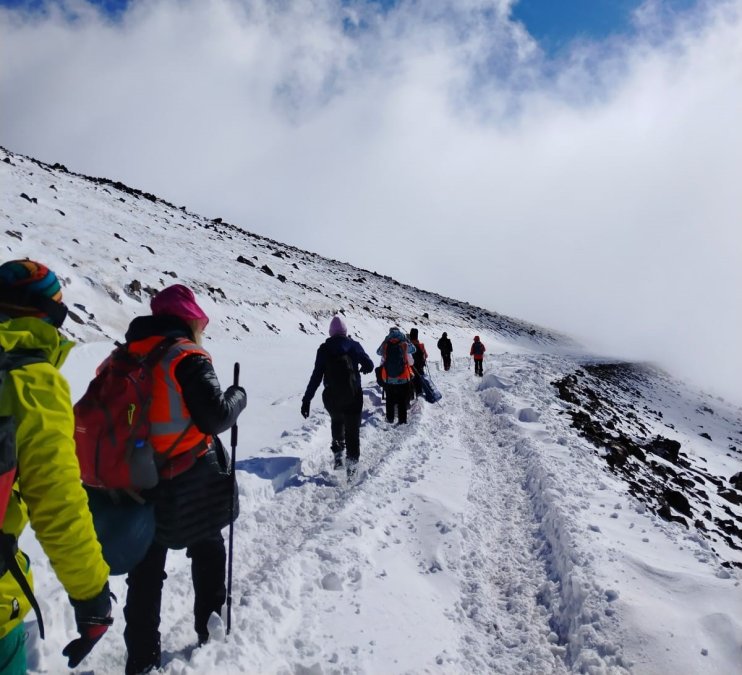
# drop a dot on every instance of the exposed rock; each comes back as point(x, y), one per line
point(245, 261)
point(663, 447)
point(705, 435)
point(736, 481)
point(267, 270)
point(677, 500)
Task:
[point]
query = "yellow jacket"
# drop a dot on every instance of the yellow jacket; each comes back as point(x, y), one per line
point(47, 490)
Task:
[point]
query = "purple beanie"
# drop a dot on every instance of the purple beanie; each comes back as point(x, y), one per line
point(177, 300)
point(337, 327)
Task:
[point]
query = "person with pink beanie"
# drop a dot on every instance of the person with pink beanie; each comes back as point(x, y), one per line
point(337, 364)
point(191, 503)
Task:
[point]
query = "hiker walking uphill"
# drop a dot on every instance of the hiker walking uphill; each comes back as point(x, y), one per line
point(419, 358)
point(39, 473)
point(195, 491)
point(446, 348)
point(337, 363)
point(477, 353)
point(396, 363)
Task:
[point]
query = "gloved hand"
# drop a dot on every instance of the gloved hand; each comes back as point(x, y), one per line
point(305, 408)
point(237, 394)
point(93, 617)
point(367, 369)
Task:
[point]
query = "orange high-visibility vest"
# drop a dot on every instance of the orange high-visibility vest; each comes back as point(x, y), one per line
point(172, 431)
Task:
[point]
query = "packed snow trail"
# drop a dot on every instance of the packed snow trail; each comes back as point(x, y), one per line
point(437, 542)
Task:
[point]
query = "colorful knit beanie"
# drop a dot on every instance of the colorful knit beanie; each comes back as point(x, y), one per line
point(178, 300)
point(28, 288)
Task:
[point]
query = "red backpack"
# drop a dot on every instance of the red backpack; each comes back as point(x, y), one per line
point(112, 426)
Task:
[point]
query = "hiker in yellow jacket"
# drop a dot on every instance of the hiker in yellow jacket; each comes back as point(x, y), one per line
point(44, 487)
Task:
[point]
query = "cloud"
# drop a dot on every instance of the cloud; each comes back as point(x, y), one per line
point(434, 141)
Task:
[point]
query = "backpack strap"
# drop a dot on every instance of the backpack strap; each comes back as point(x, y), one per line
point(8, 549)
point(8, 543)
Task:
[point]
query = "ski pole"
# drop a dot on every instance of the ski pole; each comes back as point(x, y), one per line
point(231, 509)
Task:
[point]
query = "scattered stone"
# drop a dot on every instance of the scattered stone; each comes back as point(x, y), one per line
point(33, 200)
point(677, 500)
point(149, 248)
point(118, 236)
point(245, 261)
point(16, 235)
point(267, 270)
point(705, 435)
point(666, 448)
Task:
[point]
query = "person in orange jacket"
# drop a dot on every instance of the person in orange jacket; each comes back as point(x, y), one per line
point(188, 410)
point(477, 353)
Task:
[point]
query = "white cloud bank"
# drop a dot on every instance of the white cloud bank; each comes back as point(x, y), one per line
point(427, 142)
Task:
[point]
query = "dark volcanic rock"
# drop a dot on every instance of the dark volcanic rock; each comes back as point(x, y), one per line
point(665, 448)
point(677, 500)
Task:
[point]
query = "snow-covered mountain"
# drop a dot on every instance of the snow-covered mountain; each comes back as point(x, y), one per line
point(563, 513)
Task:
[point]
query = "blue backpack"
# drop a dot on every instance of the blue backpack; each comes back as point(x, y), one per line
point(395, 360)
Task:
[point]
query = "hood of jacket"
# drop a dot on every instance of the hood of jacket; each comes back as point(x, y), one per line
point(28, 332)
point(396, 334)
point(165, 325)
point(338, 344)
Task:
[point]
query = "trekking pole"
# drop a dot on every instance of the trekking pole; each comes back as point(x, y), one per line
point(231, 509)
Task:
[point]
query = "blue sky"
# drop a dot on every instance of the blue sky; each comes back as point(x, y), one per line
point(554, 24)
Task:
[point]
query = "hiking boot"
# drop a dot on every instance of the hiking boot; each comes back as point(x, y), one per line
point(338, 460)
point(137, 666)
point(351, 468)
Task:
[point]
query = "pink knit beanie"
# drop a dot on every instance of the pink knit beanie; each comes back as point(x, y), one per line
point(177, 300)
point(337, 327)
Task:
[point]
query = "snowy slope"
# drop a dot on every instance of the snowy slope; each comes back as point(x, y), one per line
point(529, 523)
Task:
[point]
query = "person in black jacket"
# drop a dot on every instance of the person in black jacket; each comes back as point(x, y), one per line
point(445, 347)
point(337, 363)
point(193, 496)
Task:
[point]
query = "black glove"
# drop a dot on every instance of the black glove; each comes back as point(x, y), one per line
point(305, 408)
point(93, 617)
point(367, 369)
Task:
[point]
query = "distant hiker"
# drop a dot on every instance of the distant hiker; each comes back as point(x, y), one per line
point(420, 358)
point(39, 473)
point(193, 497)
point(477, 352)
point(446, 348)
point(337, 363)
point(397, 359)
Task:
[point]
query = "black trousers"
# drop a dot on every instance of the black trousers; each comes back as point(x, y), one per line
point(144, 598)
point(446, 356)
point(397, 400)
point(479, 367)
point(345, 428)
